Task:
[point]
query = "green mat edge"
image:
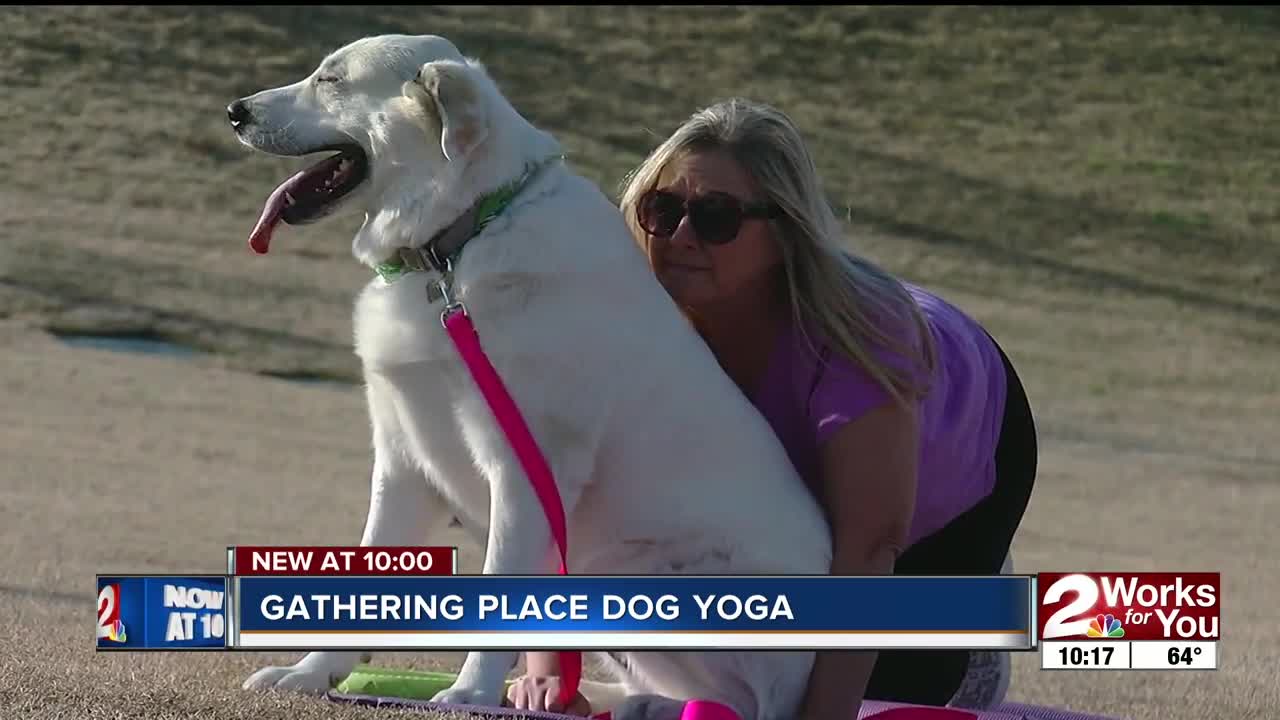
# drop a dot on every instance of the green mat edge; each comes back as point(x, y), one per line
point(396, 682)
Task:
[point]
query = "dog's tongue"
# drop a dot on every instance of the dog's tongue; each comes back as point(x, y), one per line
point(260, 237)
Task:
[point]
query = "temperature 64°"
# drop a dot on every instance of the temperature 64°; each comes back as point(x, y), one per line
point(1184, 656)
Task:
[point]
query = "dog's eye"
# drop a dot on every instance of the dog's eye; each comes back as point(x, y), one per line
point(328, 79)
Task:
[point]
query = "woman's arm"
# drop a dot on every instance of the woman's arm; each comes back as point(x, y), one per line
point(868, 489)
point(542, 662)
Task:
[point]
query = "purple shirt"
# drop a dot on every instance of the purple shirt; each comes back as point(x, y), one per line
point(960, 417)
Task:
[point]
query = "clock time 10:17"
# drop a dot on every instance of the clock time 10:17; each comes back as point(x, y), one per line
point(1091, 656)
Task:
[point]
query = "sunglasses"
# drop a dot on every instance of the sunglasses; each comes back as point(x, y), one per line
point(715, 217)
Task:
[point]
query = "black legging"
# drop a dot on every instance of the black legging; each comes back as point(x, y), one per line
point(975, 543)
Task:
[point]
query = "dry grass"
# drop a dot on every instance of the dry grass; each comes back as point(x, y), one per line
point(1100, 186)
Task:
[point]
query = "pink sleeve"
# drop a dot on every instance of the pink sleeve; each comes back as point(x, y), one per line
point(843, 393)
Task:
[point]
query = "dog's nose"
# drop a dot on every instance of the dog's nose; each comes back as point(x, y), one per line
point(238, 113)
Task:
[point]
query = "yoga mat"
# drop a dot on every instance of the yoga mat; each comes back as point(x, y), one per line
point(871, 710)
point(1038, 712)
point(395, 683)
point(391, 687)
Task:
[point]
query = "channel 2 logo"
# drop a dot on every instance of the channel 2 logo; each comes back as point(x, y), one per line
point(110, 627)
point(1128, 606)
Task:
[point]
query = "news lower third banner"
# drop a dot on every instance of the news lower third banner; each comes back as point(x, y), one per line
point(476, 612)
point(631, 612)
point(399, 600)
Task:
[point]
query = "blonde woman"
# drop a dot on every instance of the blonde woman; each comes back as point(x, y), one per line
point(901, 413)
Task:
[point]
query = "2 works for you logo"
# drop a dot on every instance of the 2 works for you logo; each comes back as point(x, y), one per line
point(1128, 606)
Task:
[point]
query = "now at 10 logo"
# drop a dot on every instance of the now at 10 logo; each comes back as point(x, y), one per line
point(1128, 606)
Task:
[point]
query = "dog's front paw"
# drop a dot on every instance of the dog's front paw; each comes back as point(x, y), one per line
point(315, 673)
point(463, 695)
point(649, 707)
point(294, 678)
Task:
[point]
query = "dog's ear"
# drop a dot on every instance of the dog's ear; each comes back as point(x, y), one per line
point(450, 88)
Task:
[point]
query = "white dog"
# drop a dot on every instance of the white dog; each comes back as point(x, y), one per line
point(663, 465)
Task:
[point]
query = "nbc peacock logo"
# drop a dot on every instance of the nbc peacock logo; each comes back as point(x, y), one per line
point(1105, 626)
point(115, 632)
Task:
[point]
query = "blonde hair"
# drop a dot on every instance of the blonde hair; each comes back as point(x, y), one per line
point(846, 298)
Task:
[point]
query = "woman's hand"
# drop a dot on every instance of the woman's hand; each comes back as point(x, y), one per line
point(542, 693)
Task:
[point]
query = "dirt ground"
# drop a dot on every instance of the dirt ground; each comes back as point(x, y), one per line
point(128, 463)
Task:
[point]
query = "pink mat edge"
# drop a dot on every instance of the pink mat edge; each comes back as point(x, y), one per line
point(871, 709)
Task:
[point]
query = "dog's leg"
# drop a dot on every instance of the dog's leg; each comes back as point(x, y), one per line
point(403, 509)
point(519, 543)
point(757, 685)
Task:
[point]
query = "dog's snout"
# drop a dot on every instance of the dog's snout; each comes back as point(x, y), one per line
point(238, 113)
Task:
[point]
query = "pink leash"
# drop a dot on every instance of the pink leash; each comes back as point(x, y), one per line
point(465, 338)
point(458, 324)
